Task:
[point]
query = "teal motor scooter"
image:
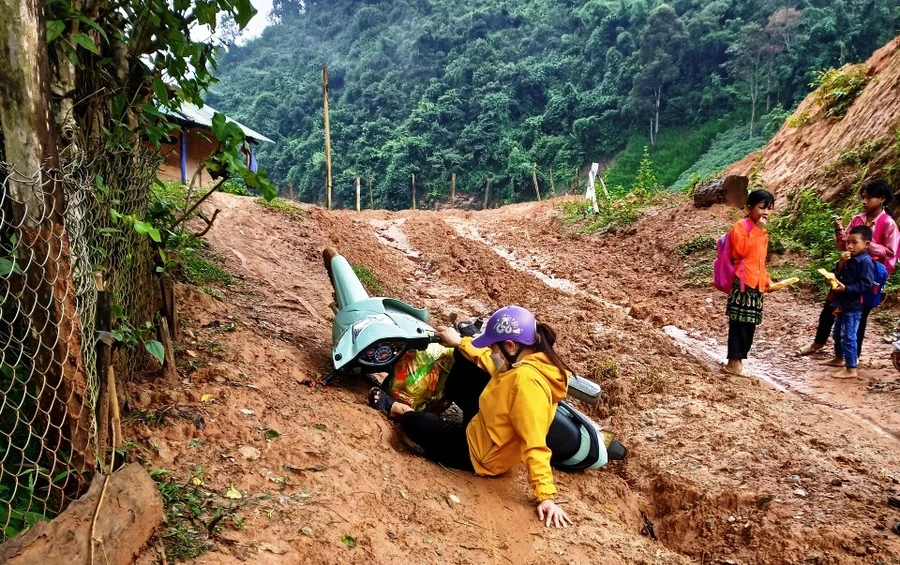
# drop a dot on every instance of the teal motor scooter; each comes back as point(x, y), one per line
point(370, 334)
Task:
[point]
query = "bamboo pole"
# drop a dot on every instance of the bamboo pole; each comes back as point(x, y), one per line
point(537, 189)
point(357, 194)
point(327, 139)
point(371, 198)
point(453, 190)
point(487, 191)
point(414, 191)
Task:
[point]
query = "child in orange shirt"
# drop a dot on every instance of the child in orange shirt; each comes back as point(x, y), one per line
point(749, 246)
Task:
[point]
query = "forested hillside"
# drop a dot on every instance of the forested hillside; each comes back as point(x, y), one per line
point(488, 89)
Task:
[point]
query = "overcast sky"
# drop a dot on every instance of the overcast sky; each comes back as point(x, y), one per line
point(258, 22)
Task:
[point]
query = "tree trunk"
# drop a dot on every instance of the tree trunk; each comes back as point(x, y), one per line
point(371, 198)
point(658, 96)
point(487, 191)
point(414, 191)
point(36, 190)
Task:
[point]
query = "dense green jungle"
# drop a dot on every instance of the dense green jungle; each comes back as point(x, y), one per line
point(498, 91)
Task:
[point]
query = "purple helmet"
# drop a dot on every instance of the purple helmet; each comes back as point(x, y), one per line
point(512, 323)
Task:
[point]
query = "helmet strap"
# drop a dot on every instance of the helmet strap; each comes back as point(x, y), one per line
point(511, 358)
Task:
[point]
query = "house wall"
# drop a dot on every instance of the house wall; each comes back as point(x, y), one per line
point(199, 147)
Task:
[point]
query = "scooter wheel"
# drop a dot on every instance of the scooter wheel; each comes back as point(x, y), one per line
point(616, 451)
point(895, 359)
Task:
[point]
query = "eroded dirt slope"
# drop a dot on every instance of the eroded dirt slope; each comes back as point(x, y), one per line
point(727, 469)
point(824, 153)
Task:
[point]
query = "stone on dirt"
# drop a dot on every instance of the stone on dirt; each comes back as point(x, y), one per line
point(131, 511)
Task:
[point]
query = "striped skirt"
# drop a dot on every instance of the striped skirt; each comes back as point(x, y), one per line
point(744, 306)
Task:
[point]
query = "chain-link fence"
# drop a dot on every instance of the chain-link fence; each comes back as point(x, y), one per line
point(57, 232)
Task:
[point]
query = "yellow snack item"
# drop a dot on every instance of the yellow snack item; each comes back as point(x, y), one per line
point(832, 280)
point(783, 283)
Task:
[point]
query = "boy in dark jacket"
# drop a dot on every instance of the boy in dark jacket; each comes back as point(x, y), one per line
point(855, 272)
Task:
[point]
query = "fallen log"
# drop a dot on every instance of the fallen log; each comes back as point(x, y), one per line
point(731, 190)
point(131, 510)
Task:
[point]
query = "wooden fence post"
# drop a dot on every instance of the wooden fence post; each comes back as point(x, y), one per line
point(552, 188)
point(327, 139)
point(537, 189)
point(453, 190)
point(414, 191)
point(357, 194)
point(487, 191)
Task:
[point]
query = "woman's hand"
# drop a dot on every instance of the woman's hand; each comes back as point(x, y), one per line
point(549, 513)
point(449, 336)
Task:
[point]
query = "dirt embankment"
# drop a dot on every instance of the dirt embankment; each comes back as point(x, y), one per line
point(726, 469)
point(825, 153)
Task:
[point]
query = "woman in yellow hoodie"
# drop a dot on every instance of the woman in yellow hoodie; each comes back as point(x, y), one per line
point(511, 382)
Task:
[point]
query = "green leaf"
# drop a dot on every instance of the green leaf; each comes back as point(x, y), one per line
point(348, 540)
point(160, 90)
point(86, 42)
point(245, 11)
point(7, 267)
point(271, 434)
point(155, 348)
point(218, 126)
point(89, 22)
point(146, 228)
point(54, 29)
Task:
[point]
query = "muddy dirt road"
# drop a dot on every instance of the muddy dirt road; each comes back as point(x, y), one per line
point(790, 468)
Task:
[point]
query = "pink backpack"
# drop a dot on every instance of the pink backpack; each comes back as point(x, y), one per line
point(724, 270)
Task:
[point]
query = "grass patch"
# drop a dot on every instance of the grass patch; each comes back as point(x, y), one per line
point(282, 205)
point(368, 278)
point(199, 271)
point(233, 186)
point(193, 516)
point(698, 244)
point(611, 215)
point(726, 148)
point(676, 150)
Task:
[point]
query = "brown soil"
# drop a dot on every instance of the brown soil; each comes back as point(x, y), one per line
point(729, 470)
point(824, 153)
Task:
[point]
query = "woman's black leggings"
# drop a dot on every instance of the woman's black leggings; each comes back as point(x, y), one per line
point(442, 441)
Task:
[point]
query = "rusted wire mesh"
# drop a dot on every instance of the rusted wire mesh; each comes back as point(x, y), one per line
point(56, 231)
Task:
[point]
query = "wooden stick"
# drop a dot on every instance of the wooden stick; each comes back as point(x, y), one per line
point(537, 190)
point(115, 420)
point(487, 192)
point(104, 357)
point(327, 139)
point(414, 191)
point(552, 188)
point(357, 194)
point(166, 338)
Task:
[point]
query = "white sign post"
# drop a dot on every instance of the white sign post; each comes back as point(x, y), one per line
point(591, 194)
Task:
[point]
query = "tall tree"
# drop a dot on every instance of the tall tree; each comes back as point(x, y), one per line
point(661, 46)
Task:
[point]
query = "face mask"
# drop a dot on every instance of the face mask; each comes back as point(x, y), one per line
point(499, 362)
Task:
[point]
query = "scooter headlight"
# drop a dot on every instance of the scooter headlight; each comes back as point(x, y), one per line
point(359, 326)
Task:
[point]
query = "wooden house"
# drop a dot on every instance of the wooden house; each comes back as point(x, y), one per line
point(194, 142)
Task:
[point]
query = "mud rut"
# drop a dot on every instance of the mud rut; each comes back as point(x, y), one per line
point(727, 469)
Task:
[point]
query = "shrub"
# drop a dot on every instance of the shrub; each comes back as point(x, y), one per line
point(836, 91)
